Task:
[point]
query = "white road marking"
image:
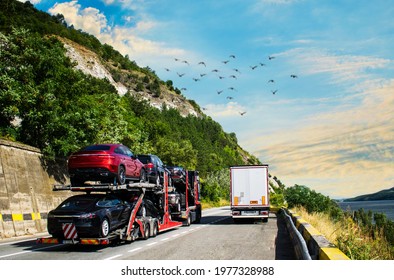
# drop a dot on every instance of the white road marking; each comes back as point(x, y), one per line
point(113, 257)
point(150, 244)
point(14, 254)
point(136, 249)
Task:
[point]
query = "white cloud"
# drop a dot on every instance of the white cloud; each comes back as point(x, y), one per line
point(89, 19)
point(31, 1)
point(344, 152)
point(227, 110)
point(343, 68)
point(125, 40)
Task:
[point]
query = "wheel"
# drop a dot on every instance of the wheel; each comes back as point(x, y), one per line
point(143, 176)
point(104, 228)
point(76, 182)
point(146, 231)
point(155, 229)
point(188, 221)
point(198, 218)
point(121, 178)
point(265, 220)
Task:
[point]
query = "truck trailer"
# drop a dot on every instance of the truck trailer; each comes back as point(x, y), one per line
point(249, 192)
point(140, 224)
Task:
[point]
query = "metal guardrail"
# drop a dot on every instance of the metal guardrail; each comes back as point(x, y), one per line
point(300, 246)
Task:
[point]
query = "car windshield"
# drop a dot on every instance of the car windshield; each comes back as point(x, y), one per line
point(78, 203)
point(144, 159)
point(97, 148)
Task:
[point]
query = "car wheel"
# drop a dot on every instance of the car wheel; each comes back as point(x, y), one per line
point(188, 221)
point(104, 228)
point(121, 178)
point(155, 229)
point(146, 231)
point(158, 180)
point(76, 182)
point(143, 176)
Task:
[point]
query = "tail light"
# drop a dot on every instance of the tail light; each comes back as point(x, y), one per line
point(150, 165)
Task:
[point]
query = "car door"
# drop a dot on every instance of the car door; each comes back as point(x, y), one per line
point(116, 209)
point(131, 166)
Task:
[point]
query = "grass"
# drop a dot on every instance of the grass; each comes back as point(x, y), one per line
point(206, 204)
point(357, 243)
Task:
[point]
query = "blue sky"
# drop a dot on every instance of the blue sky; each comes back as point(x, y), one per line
point(331, 128)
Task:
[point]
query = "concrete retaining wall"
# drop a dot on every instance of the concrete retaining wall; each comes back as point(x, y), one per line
point(26, 183)
point(318, 246)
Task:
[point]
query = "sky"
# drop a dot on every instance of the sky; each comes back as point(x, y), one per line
point(306, 85)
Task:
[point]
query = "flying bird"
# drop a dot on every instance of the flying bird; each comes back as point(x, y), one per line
point(294, 76)
point(262, 64)
point(168, 70)
point(219, 91)
point(236, 70)
point(232, 56)
point(196, 80)
point(271, 81)
point(202, 63)
point(226, 61)
point(271, 57)
point(177, 59)
point(242, 113)
point(229, 97)
point(215, 70)
point(274, 91)
point(221, 77)
point(253, 67)
point(233, 76)
point(231, 88)
point(183, 88)
point(203, 74)
point(184, 61)
point(180, 75)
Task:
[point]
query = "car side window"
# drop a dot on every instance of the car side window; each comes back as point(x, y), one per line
point(108, 202)
point(119, 151)
point(128, 152)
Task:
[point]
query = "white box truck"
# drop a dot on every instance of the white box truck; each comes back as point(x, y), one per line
point(249, 192)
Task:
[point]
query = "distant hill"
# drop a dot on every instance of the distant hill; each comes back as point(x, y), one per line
point(387, 194)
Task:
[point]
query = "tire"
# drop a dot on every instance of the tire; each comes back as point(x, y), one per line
point(76, 182)
point(146, 232)
point(143, 176)
point(104, 228)
point(121, 177)
point(188, 221)
point(155, 230)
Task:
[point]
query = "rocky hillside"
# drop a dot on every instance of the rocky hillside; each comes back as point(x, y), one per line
point(90, 63)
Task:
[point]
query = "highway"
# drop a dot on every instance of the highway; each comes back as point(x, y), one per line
point(217, 237)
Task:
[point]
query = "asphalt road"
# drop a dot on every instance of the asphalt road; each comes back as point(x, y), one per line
point(217, 237)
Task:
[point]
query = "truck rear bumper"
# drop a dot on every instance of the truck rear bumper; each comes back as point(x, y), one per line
point(250, 213)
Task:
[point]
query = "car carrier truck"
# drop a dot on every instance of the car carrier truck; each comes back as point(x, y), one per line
point(249, 191)
point(140, 225)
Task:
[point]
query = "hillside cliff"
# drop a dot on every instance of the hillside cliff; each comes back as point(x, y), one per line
point(62, 89)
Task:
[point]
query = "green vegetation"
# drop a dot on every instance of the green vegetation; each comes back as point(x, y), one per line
point(46, 103)
point(360, 235)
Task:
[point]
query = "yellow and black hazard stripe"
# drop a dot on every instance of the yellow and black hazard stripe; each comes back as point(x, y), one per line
point(23, 217)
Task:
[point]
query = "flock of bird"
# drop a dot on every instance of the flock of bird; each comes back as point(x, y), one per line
point(220, 73)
